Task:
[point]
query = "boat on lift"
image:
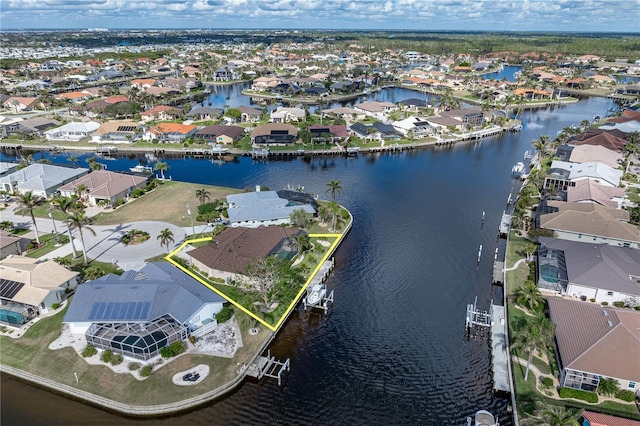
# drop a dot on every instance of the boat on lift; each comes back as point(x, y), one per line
point(140, 168)
point(518, 170)
point(316, 294)
point(482, 418)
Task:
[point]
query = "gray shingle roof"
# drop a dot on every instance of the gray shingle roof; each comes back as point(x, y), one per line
point(165, 288)
point(261, 206)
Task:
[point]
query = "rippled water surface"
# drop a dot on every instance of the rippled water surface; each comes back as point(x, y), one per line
point(394, 350)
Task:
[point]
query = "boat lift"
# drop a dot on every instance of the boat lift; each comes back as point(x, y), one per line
point(267, 366)
point(477, 321)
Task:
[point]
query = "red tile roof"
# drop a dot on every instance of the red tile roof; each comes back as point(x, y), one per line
point(597, 419)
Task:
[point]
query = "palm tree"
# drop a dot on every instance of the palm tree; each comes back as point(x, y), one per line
point(77, 220)
point(202, 195)
point(28, 201)
point(299, 241)
point(529, 296)
point(162, 166)
point(553, 415)
point(166, 238)
point(608, 387)
point(66, 205)
point(334, 210)
point(81, 189)
point(534, 333)
point(541, 144)
point(334, 187)
point(73, 160)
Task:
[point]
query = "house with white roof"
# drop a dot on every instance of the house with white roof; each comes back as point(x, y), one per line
point(253, 209)
point(41, 179)
point(563, 174)
point(287, 115)
point(29, 288)
point(73, 131)
point(413, 125)
point(139, 312)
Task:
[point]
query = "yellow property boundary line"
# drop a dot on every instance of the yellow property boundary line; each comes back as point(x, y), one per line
point(337, 239)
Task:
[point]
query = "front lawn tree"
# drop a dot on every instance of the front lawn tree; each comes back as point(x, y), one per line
point(29, 201)
point(533, 334)
point(77, 220)
point(166, 238)
point(264, 275)
point(162, 167)
point(66, 205)
point(300, 218)
point(529, 296)
point(334, 187)
point(203, 195)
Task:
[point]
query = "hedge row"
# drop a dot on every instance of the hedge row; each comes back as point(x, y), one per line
point(578, 394)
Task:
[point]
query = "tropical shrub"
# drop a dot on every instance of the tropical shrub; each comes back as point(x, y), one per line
point(626, 395)
point(578, 394)
point(89, 351)
point(177, 348)
point(192, 339)
point(133, 366)
point(106, 356)
point(618, 304)
point(605, 303)
point(146, 371)
point(93, 273)
point(224, 315)
point(116, 359)
point(136, 193)
point(166, 352)
point(547, 382)
point(55, 306)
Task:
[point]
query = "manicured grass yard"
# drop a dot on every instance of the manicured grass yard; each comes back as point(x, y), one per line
point(49, 245)
point(31, 353)
point(166, 203)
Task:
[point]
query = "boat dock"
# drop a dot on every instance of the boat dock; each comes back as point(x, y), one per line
point(505, 225)
point(498, 273)
point(499, 349)
point(268, 366)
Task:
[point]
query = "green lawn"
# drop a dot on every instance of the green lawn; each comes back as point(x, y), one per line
point(41, 212)
point(49, 242)
point(633, 194)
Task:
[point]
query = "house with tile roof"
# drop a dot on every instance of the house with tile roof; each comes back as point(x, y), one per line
point(588, 191)
point(139, 312)
point(262, 208)
point(598, 419)
point(274, 133)
point(160, 112)
point(12, 244)
point(589, 222)
point(17, 103)
point(589, 271)
point(595, 342)
point(220, 134)
point(32, 126)
point(29, 287)
point(117, 131)
point(41, 179)
point(104, 186)
point(248, 114)
point(287, 115)
point(604, 139)
point(170, 132)
point(234, 249)
point(595, 153)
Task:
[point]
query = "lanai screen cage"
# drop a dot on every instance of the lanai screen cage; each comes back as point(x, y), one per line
point(137, 340)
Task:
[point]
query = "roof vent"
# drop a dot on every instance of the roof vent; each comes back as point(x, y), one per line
point(609, 322)
point(605, 312)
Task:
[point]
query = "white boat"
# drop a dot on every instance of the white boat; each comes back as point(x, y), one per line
point(518, 169)
point(482, 418)
point(317, 293)
point(141, 169)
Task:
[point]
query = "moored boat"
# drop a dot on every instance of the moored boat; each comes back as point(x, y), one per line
point(317, 293)
point(518, 169)
point(141, 169)
point(482, 418)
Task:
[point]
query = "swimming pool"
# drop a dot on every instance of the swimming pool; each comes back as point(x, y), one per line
point(11, 317)
point(549, 273)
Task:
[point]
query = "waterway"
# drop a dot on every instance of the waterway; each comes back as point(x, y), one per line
point(508, 72)
point(394, 349)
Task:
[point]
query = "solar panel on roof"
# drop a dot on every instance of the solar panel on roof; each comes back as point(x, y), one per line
point(126, 128)
point(131, 308)
point(145, 309)
point(8, 288)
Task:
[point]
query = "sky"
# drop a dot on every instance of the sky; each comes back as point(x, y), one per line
point(480, 15)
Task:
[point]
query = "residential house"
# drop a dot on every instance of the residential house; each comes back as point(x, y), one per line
point(345, 113)
point(179, 84)
point(75, 97)
point(441, 124)
point(364, 131)
point(590, 271)
point(376, 109)
point(413, 126)
point(142, 83)
point(17, 104)
point(29, 288)
point(12, 244)
point(223, 74)
point(73, 131)
point(471, 118)
point(170, 132)
point(31, 126)
point(563, 174)
point(263, 208)
point(274, 133)
point(595, 342)
point(590, 222)
point(234, 249)
point(161, 112)
point(265, 84)
point(249, 115)
point(116, 99)
point(220, 134)
point(42, 179)
point(588, 191)
point(205, 113)
point(599, 419)
point(104, 187)
point(287, 115)
point(117, 131)
point(593, 153)
point(7, 168)
point(139, 312)
point(336, 133)
point(604, 139)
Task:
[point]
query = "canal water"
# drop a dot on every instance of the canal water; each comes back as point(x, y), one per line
point(394, 350)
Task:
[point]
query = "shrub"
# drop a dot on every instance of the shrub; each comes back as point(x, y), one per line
point(106, 356)
point(605, 303)
point(93, 273)
point(547, 382)
point(224, 315)
point(55, 306)
point(116, 359)
point(89, 351)
point(166, 352)
point(146, 371)
point(618, 304)
point(178, 347)
point(133, 366)
point(593, 299)
point(626, 395)
point(137, 193)
point(192, 339)
point(578, 394)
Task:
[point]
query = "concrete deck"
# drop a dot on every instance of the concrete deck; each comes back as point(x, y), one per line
point(499, 349)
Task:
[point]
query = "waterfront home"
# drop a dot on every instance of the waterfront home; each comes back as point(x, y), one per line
point(11, 244)
point(73, 131)
point(624, 125)
point(142, 83)
point(234, 249)
point(563, 174)
point(443, 124)
point(253, 209)
point(335, 133)
point(205, 113)
point(592, 153)
point(375, 109)
point(7, 168)
point(139, 312)
point(589, 222)
point(30, 126)
point(605, 139)
point(274, 133)
point(17, 104)
point(177, 84)
point(471, 118)
point(220, 134)
point(598, 419)
point(265, 84)
point(75, 97)
point(287, 115)
point(104, 187)
point(41, 179)
point(364, 131)
point(30, 288)
point(588, 191)
point(345, 113)
point(249, 115)
point(589, 271)
point(595, 342)
point(169, 132)
point(160, 112)
point(160, 91)
point(413, 126)
point(117, 131)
